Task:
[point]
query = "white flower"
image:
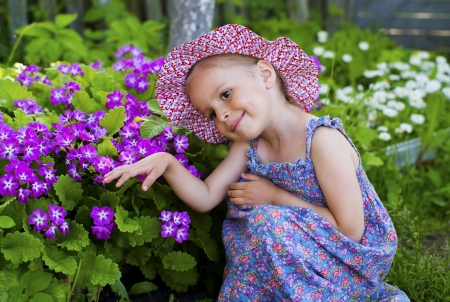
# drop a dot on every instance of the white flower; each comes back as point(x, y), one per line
point(443, 78)
point(373, 73)
point(380, 96)
point(417, 103)
point(323, 88)
point(394, 77)
point(348, 89)
point(372, 116)
point(400, 66)
point(433, 86)
point(404, 127)
point(399, 106)
point(408, 74)
point(446, 91)
point(363, 46)
point(322, 36)
point(381, 85)
point(342, 96)
point(325, 101)
point(401, 92)
point(383, 66)
point(390, 95)
point(427, 65)
point(415, 60)
point(423, 55)
point(324, 68)
point(382, 128)
point(318, 51)
point(417, 93)
point(422, 79)
point(418, 119)
point(389, 112)
point(391, 104)
point(328, 54)
point(441, 60)
point(410, 84)
point(384, 136)
point(360, 87)
point(347, 58)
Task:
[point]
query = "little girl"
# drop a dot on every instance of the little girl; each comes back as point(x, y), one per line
point(304, 222)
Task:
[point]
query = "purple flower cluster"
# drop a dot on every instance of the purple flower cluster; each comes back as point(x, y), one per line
point(317, 63)
point(64, 95)
point(27, 76)
point(74, 68)
point(29, 106)
point(103, 220)
point(51, 222)
point(175, 225)
point(137, 65)
point(25, 174)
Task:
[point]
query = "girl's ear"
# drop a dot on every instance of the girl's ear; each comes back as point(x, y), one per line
point(267, 73)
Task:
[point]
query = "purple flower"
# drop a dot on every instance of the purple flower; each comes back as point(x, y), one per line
point(193, 170)
point(6, 132)
point(56, 214)
point(51, 231)
point(128, 131)
point(63, 68)
point(182, 234)
point(75, 69)
point(141, 84)
point(119, 65)
point(131, 80)
point(180, 143)
point(96, 64)
point(24, 173)
point(47, 81)
point(122, 50)
point(89, 152)
point(8, 185)
point(169, 229)
point(114, 99)
point(135, 51)
point(48, 174)
point(176, 217)
point(73, 171)
point(31, 68)
point(103, 164)
point(25, 79)
point(185, 219)
point(168, 133)
point(10, 148)
point(64, 228)
point(37, 188)
point(128, 157)
point(72, 86)
point(102, 216)
point(58, 96)
point(165, 216)
point(182, 159)
point(157, 64)
point(39, 220)
point(30, 151)
point(317, 62)
point(101, 232)
point(23, 195)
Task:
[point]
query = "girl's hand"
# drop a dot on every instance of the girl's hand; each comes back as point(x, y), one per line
point(153, 166)
point(256, 190)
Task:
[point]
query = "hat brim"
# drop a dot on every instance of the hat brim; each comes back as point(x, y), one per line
point(299, 73)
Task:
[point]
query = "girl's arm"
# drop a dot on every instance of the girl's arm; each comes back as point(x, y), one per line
point(200, 196)
point(335, 163)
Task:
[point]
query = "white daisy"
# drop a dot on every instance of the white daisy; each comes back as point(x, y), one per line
point(364, 46)
point(322, 36)
point(328, 54)
point(347, 58)
point(418, 119)
point(318, 51)
point(384, 136)
point(433, 86)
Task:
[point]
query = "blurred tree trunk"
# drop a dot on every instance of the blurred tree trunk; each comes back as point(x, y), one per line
point(17, 12)
point(189, 20)
point(76, 7)
point(153, 10)
point(298, 10)
point(50, 8)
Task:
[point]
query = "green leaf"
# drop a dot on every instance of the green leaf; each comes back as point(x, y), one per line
point(99, 270)
point(11, 91)
point(76, 239)
point(57, 289)
point(179, 261)
point(41, 297)
point(106, 148)
point(53, 50)
point(209, 245)
point(109, 199)
point(126, 185)
point(34, 282)
point(124, 223)
point(16, 211)
point(59, 262)
point(104, 82)
point(69, 191)
point(153, 105)
point(113, 120)
point(220, 151)
point(6, 222)
point(371, 159)
point(139, 256)
point(149, 270)
point(73, 45)
point(63, 20)
point(119, 289)
point(142, 287)
point(159, 199)
point(21, 247)
point(188, 277)
point(21, 118)
point(83, 102)
point(153, 126)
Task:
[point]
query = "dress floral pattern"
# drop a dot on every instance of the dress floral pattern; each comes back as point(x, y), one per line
point(287, 253)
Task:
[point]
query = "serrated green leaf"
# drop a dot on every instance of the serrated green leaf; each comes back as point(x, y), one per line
point(76, 239)
point(124, 223)
point(154, 107)
point(119, 289)
point(113, 120)
point(12, 275)
point(188, 277)
point(126, 185)
point(6, 222)
point(149, 229)
point(36, 265)
point(21, 247)
point(159, 199)
point(371, 159)
point(142, 287)
point(106, 148)
point(57, 289)
point(34, 282)
point(149, 270)
point(59, 262)
point(153, 126)
point(98, 270)
point(179, 261)
point(11, 91)
point(21, 118)
point(104, 82)
point(139, 256)
point(53, 50)
point(41, 297)
point(109, 199)
point(82, 101)
point(62, 20)
point(209, 245)
point(4, 297)
point(69, 191)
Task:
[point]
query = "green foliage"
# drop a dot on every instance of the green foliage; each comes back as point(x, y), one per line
point(21, 247)
point(178, 261)
point(142, 287)
point(113, 120)
point(69, 191)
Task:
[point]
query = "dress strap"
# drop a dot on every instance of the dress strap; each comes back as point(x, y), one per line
point(251, 151)
point(325, 120)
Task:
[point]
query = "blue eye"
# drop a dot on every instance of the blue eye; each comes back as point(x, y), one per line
point(226, 94)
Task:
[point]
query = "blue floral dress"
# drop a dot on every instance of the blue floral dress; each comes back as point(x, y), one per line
point(287, 253)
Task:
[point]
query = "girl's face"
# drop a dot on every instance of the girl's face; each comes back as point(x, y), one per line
point(236, 98)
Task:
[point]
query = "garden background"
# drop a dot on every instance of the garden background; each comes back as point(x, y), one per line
point(77, 99)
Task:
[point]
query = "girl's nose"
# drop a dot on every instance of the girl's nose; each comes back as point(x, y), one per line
point(223, 115)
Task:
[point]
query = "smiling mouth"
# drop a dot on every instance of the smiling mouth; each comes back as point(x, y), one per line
point(236, 123)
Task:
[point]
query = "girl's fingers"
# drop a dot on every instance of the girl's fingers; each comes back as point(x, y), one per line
point(237, 201)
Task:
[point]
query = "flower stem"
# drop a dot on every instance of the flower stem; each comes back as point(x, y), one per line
point(160, 244)
point(98, 293)
point(75, 280)
point(16, 44)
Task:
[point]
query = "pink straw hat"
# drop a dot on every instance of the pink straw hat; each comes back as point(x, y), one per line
point(299, 73)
